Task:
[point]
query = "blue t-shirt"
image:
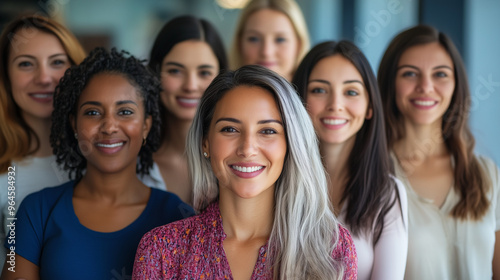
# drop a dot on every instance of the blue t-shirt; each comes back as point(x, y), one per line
point(49, 234)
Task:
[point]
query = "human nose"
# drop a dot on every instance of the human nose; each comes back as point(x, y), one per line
point(109, 125)
point(247, 146)
point(267, 48)
point(335, 103)
point(190, 83)
point(43, 75)
point(425, 84)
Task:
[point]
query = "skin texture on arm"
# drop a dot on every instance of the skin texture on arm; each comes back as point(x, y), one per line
point(24, 269)
point(391, 250)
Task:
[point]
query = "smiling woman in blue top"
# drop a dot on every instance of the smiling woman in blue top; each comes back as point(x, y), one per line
point(105, 117)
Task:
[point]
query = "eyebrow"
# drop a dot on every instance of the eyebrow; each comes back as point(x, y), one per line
point(416, 68)
point(282, 32)
point(33, 57)
point(96, 103)
point(345, 82)
point(238, 121)
point(184, 67)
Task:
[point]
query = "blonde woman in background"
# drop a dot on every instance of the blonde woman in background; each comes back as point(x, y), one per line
point(35, 52)
point(271, 33)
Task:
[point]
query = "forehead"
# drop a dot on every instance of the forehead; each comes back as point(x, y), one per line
point(426, 55)
point(248, 103)
point(268, 20)
point(335, 68)
point(34, 42)
point(192, 52)
point(109, 88)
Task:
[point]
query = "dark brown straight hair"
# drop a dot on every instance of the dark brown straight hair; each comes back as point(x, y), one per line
point(369, 188)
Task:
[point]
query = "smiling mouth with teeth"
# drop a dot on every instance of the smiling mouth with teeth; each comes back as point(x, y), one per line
point(114, 145)
point(424, 103)
point(334, 121)
point(247, 169)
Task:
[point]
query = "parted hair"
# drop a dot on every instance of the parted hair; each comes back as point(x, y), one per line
point(305, 231)
point(69, 90)
point(16, 136)
point(182, 29)
point(471, 182)
point(369, 187)
point(290, 8)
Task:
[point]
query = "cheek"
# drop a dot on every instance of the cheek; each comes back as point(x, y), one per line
point(134, 129)
point(248, 52)
point(169, 87)
point(314, 107)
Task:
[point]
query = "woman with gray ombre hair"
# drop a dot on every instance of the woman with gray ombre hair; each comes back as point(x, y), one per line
point(261, 188)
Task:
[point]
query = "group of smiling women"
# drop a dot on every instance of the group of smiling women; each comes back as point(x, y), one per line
point(298, 163)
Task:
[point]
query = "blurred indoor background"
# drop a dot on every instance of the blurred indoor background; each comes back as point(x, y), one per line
point(472, 24)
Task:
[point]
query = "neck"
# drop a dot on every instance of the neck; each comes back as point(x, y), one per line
point(335, 158)
point(41, 128)
point(421, 142)
point(174, 135)
point(245, 219)
point(115, 188)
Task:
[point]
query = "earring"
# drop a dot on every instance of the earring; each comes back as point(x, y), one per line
point(76, 135)
point(205, 154)
point(143, 142)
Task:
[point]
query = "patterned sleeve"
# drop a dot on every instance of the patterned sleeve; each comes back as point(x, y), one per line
point(150, 256)
point(346, 252)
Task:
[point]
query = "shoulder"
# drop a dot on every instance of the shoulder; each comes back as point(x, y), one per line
point(489, 166)
point(399, 191)
point(48, 196)
point(171, 204)
point(345, 243)
point(345, 251)
point(177, 234)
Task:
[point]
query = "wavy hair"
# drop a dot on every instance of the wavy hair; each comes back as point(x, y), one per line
point(69, 90)
point(369, 187)
point(470, 180)
point(305, 231)
point(16, 136)
point(290, 8)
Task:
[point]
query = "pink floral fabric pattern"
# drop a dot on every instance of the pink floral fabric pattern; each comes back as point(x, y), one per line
point(192, 249)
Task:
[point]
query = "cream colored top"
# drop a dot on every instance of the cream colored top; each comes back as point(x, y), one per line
point(385, 260)
point(442, 247)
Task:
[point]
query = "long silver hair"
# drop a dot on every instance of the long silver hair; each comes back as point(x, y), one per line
point(305, 231)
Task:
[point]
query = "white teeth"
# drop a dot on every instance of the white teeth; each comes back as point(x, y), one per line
point(334, 121)
point(40, 95)
point(247, 169)
point(424, 103)
point(110, 145)
point(190, 101)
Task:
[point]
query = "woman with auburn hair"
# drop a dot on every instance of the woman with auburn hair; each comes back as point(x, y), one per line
point(34, 53)
point(453, 194)
point(261, 189)
point(271, 33)
point(187, 55)
point(340, 92)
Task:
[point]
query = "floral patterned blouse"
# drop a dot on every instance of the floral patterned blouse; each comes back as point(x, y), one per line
point(192, 249)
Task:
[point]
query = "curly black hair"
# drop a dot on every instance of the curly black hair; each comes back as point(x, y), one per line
point(68, 92)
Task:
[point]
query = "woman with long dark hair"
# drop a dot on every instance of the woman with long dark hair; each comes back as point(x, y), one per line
point(340, 91)
point(186, 56)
